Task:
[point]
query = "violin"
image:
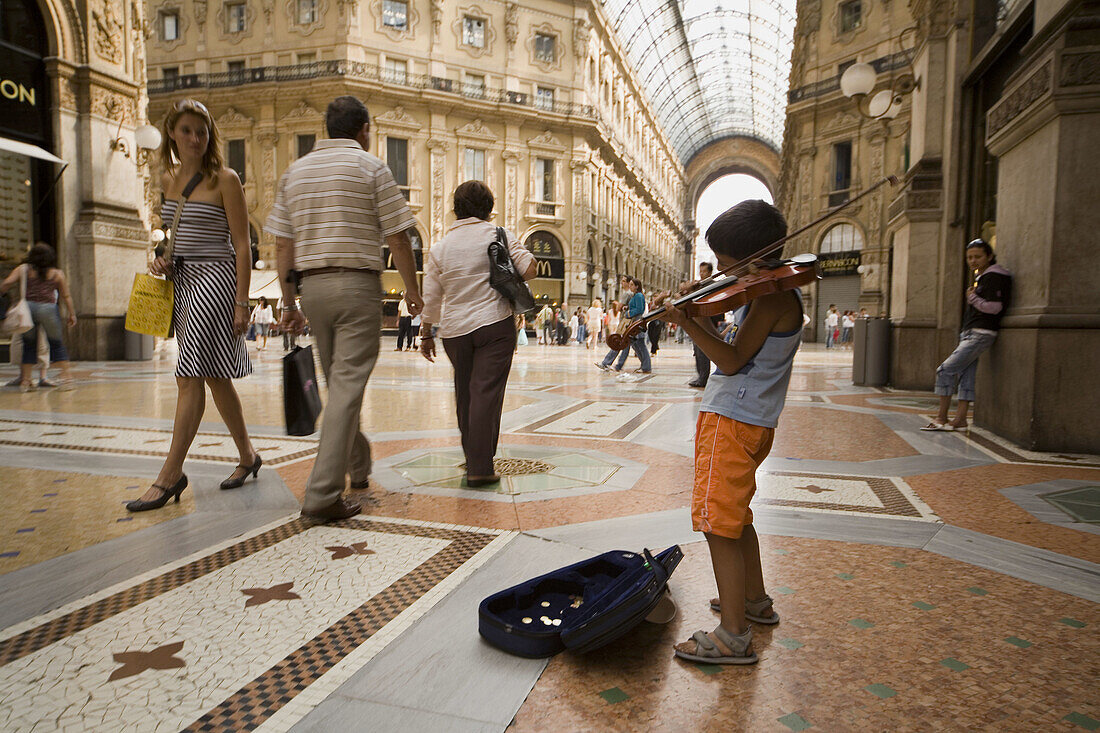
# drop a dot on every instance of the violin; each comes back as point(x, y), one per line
point(741, 283)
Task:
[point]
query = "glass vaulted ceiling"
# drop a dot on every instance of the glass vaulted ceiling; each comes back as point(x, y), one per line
point(711, 68)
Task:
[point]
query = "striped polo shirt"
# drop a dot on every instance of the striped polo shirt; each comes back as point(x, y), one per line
point(338, 204)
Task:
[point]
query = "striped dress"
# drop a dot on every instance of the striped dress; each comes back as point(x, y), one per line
point(206, 287)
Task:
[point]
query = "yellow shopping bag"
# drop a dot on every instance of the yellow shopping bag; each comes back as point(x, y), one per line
point(150, 309)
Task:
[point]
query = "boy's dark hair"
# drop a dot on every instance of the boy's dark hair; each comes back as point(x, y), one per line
point(473, 199)
point(710, 267)
point(745, 229)
point(345, 117)
point(41, 257)
point(983, 245)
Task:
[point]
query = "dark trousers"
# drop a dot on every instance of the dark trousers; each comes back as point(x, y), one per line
point(702, 365)
point(404, 332)
point(481, 361)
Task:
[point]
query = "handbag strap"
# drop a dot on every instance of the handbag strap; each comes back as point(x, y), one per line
point(187, 191)
point(23, 281)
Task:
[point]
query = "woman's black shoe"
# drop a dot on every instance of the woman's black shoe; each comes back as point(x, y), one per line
point(137, 505)
point(236, 482)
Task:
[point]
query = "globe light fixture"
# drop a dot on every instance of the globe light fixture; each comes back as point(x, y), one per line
point(147, 138)
point(859, 80)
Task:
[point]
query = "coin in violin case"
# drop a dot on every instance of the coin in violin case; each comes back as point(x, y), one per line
point(579, 607)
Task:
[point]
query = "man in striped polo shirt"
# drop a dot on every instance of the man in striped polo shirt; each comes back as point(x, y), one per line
point(334, 210)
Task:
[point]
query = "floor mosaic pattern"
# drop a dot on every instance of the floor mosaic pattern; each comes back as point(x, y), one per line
point(925, 580)
point(295, 600)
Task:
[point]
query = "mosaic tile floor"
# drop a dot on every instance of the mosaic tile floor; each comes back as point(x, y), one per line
point(925, 581)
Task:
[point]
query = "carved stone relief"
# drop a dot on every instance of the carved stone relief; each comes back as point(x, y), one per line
point(1037, 85)
point(107, 31)
point(398, 117)
point(437, 20)
point(478, 130)
point(579, 233)
point(582, 33)
point(511, 194)
point(511, 23)
point(200, 15)
point(438, 169)
point(112, 105)
point(1080, 69)
point(267, 140)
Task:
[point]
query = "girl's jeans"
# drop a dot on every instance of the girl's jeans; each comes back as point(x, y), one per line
point(47, 317)
point(961, 367)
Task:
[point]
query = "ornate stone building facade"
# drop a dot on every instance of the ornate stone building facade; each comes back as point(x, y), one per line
point(999, 141)
point(831, 151)
point(72, 85)
point(534, 98)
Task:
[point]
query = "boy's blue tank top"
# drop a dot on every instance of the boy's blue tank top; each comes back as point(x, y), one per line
point(755, 395)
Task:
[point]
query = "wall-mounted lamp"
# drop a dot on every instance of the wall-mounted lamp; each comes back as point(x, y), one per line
point(157, 235)
point(147, 138)
point(859, 80)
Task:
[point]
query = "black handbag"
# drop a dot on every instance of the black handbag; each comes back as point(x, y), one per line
point(301, 396)
point(504, 278)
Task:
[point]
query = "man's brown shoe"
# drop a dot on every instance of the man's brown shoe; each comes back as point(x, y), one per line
point(340, 509)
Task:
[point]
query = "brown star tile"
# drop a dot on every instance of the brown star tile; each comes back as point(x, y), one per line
point(339, 552)
point(163, 657)
point(260, 596)
point(813, 488)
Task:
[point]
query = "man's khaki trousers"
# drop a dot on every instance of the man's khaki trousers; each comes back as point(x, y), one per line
point(345, 317)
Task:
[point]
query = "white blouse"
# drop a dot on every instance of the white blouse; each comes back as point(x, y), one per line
point(457, 294)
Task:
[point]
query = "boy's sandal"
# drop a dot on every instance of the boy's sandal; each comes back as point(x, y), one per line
point(718, 647)
point(754, 610)
point(939, 427)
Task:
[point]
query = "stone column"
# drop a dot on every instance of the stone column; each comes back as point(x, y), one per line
point(1034, 385)
point(511, 191)
point(270, 182)
point(438, 198)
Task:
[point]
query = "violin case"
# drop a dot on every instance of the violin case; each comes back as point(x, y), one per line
point(579, 607)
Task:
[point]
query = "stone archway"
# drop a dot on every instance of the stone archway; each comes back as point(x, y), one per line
point(730, 155)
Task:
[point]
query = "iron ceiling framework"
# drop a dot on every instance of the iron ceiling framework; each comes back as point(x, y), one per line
point(712, 68)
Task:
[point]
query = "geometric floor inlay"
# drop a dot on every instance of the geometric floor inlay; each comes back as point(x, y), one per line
point(605, 419)
point(520, 474)
point(228, 640)
point(1082, 504)
point(64, 435)
point(845, 494)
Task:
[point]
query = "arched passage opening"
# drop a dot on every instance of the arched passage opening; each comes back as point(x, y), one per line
point(720, 195)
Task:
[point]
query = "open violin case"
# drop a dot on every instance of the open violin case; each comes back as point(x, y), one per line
point(579, 607)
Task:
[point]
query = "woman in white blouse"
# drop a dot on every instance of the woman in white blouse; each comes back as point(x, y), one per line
point(475, 323)
point(263, 317)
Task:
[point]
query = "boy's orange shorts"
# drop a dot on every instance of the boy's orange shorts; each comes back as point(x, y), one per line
point(727, 454)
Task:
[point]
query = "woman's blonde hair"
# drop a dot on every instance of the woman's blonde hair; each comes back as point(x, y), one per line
point(169, 155)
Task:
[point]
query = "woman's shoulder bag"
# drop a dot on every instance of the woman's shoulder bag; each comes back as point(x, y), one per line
point(504, 278)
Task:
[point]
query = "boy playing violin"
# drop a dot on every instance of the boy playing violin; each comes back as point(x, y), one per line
point(736, 424)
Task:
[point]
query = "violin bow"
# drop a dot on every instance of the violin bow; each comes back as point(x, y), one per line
point(892, 180)
point(743, 268)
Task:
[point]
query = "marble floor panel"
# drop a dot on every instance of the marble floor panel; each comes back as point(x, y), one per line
point(925, 581)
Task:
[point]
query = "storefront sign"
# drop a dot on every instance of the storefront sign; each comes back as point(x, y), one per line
point(839, 263)
point(551, 268)
point(24, 108)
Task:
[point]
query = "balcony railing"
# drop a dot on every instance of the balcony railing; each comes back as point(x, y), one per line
point(832, 84)
point(412, 195)
point(545, 210)
point(361, 71)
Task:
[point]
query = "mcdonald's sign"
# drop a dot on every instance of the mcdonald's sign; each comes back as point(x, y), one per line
point(550, 268)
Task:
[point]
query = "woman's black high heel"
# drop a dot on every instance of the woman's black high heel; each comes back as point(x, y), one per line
point(137, 505)
point(236, 482)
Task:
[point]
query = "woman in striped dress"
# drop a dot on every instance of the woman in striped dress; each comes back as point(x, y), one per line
point(210, 267)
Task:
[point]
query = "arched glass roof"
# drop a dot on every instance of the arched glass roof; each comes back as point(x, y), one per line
point(711, 68)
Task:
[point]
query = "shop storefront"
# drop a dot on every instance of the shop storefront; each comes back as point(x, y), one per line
point(27, 167)
point(549, 283)
point(392, 284)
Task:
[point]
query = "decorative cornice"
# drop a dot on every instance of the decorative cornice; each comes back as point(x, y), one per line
point(476, 129)
point(398, 117)
point(1023, 96)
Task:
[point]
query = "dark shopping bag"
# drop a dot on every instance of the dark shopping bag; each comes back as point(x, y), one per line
point(301, 397)
point(580, 607)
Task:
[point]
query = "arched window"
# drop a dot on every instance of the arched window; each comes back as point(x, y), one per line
point(545, 245)
point(841, 238)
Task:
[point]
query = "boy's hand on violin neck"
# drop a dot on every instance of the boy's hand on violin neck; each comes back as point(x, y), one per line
point(660, 298)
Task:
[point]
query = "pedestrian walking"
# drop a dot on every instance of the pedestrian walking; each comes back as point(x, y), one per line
point(334, 211)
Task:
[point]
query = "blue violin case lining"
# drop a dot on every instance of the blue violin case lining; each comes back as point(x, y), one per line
point(580, 607)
